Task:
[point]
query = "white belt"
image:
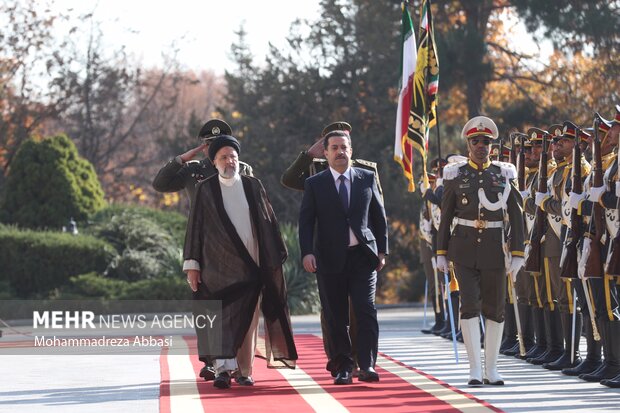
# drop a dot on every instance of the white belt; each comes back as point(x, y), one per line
point(479, 223)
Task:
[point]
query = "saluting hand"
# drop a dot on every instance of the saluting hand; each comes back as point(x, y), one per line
point(191, 154)
point(309, 263)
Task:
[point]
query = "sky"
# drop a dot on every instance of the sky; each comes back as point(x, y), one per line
point(202, 29)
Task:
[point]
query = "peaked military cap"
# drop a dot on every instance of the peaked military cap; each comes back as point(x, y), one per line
point(495, 150)
point(438, 161)
point(536, 135)
point(479, 126)
point(556, 132)
point(214, 128)
point(570, 130)
point(340, 126)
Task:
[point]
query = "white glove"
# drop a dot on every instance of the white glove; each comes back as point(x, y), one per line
point(525, 194)
point(424, 188)
point(438, 182)
point(574, 199)
point(617, 188)
point(434, 263)
point(442, 264)
point(585, 252)
point(515, 265)
point(539, 197)
point(596, 192)
point(426, 226)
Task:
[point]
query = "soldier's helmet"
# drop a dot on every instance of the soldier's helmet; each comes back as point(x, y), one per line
point(480, 126)
point(214, 128)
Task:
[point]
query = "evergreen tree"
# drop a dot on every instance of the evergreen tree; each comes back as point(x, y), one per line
point(48, 184)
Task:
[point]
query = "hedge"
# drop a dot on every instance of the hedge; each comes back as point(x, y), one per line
point(34, 263)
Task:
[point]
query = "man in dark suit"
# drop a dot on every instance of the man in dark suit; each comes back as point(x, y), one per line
point(343, 238)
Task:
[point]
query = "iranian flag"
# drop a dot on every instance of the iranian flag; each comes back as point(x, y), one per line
point(403, 145)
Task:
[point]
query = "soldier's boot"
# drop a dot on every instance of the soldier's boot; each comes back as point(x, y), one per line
point(510, 329)
point(614, 383)
point(455, 299)
point(527, 328)
point(446, 324)
point(611, 347)
point(438, 323)
point(571, 348)
point(471, 337)
point(555, 339)
point(492, 341)
point(593, 358)
point(541, 336)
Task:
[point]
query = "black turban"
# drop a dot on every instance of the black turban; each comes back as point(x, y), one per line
point(220, 142)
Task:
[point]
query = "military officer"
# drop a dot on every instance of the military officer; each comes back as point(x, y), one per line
point(558, 205)
point(607, 308)
point(479, 196)
point(184, 172)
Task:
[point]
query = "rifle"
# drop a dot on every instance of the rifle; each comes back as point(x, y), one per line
point(513, 148)
point(520, 162)
point(533, 261)
point(594, 264)
point(613, 260)
point(569, 263)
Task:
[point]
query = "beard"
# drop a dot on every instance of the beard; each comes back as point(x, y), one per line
point(228, 171)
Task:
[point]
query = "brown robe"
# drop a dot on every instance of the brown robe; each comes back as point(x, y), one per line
point(229, 273)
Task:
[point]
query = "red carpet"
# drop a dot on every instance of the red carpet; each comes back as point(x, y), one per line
point(273, 393)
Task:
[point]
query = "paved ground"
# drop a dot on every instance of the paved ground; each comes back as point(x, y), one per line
point(132, 383)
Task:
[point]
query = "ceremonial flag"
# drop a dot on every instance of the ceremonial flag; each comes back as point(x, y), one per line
point(422, 94)
point(403, 145)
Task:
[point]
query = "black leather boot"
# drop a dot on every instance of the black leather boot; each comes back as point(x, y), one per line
point(541, 336)
point(611, 346)
point(438, 323)
point(571, 348)
point(593, 359)
point(455, 299)
point(555, 338)
point(510, 329)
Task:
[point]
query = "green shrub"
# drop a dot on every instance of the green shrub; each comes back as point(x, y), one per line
point(49, 183)
point(93, 285)
point(36, 262)
point(145, 249)
point(303, 293)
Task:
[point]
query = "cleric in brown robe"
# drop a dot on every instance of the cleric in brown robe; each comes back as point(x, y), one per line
point(234, 253)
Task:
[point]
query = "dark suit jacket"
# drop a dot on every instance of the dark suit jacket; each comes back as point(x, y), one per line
point(329, 239)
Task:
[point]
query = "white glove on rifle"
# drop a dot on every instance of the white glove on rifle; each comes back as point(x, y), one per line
point(434, 263)
point(439, 182)
point(585, 252)
point(596, 193)
point(424, 188)
point(525, 194)
point(442, 264)
point(574, 199)
point(539, 197)
point(515, 265)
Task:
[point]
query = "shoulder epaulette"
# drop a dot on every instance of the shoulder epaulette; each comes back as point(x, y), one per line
point(508, 169)
point(364, 163)
point(451, 170)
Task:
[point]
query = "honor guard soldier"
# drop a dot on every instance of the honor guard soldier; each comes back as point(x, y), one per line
point(184, 172)
point(607, 312)
point(482, 200)
point(565, 343)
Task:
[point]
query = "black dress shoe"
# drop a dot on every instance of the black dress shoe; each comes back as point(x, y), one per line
point(368, 375)
point(207, 373)
point(222, 381)
point(244, 381)
point(343, 377)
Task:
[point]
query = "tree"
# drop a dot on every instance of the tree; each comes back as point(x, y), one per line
point(48, 184)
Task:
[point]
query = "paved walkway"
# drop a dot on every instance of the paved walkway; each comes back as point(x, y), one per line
point(418, 373)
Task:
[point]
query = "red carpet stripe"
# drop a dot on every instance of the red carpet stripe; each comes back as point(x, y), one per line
point(271, 392)
point(164, 385)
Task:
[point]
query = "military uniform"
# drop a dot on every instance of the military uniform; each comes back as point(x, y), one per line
point(606, 293)
point(481, 201)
